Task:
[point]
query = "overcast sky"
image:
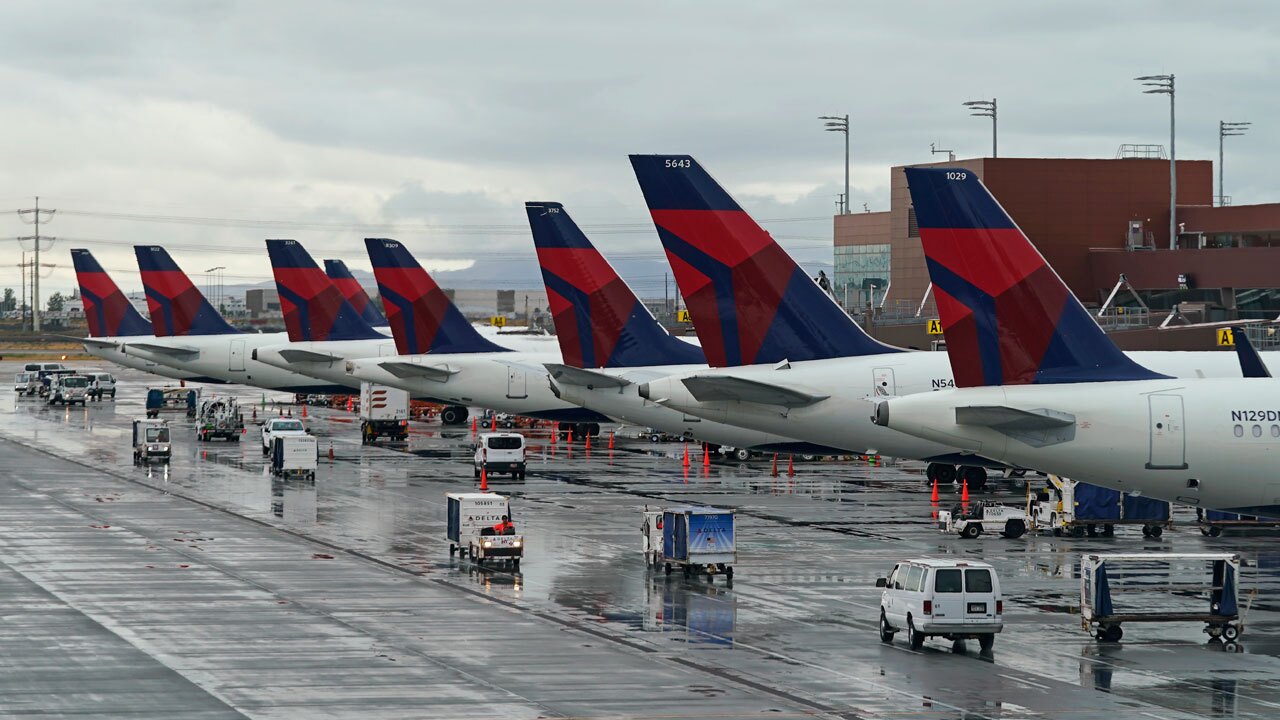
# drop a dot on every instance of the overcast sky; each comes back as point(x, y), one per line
point(313, 119)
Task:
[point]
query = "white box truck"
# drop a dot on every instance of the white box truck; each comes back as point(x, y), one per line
point(471, 523)
point(384, 413)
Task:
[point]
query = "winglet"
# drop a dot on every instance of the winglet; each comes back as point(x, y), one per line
point(423, 319)
point(177, 307)
point(751, 303)
point(108, 311)
point(313, 307)
point(1251, 365)
point(600, 322)
point(1007, 317)
point(354, 292)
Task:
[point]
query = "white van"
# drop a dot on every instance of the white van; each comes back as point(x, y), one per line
point(500, 452)
point(101, 384)
point(951, 598)
point(68, 389)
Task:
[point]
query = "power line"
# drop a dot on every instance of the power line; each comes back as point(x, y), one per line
point(35, 214)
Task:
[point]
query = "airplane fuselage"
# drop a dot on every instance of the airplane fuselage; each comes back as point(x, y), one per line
point(115, 355)
point(229, 358)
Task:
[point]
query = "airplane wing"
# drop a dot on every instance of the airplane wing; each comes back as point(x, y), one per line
point(585, 378)
point(708, 388)
point(1037, 428)
point(307, 356)
point(93, 342)
point(437, 373)
point(177, 351)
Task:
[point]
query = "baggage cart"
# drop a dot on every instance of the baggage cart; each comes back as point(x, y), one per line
point(171, 399)
point(651, 529)
point(1063, 506)
point(698, 540)
point(469, 530)
point(295, 456)
point(1124, 588)
point(1213, 522)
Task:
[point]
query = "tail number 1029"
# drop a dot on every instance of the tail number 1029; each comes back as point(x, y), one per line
point(957, 175)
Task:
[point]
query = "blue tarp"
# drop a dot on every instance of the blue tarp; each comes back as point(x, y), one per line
point(1220, 516)
point(1101, 592)
point(1096, 503)
point(1224, 594)
point(1145, 508)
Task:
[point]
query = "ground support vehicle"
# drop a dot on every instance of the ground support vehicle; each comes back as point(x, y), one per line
point(47, 378)
point(698, 540)
point(1213, 522)
point(500, 453)
point(219, 417)
point(68, 389)
point(970, 522)
point(954, 599)
point(101, 384)
point(472, 517)
point(1158, 587)
point(295, 456)
point(384, 413)
point(26, 383)
point(279, 427)
point(651, 529)
point(151, 442)
point(1066, 507)
point(167, 399)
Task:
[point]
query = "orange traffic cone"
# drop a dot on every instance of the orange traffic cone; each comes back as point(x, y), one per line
point(350, 403)
point(791, 466)
point(255, 413)
point(555, 434)
point(588, 441)
point(964, 492)
point(706, 456)
point(610, 439)
point(774, 471)
point(304, 411)
point(686, 454)
point(484, 479)
point(933, 497)
point(473, 426)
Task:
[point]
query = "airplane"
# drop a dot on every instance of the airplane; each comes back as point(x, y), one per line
point(611, 343)
point(443, 356)
point(190, 335)
point(114, 321)
point(1039, 384)
point(324, 328)
point(355, 293)
point(745, 292)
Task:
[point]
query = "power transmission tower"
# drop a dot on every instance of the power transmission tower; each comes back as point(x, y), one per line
point(36, 214)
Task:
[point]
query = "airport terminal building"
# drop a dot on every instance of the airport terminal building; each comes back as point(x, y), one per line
point(1094, 221)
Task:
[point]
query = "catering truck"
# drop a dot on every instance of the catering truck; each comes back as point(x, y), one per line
point(384, 413)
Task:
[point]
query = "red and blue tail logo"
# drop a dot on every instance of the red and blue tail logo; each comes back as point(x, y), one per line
point(177, 307)
point(109, 312)
point(354, 292)
point(423, 319)
point(1007, 317)
point(599, 321)
point(750, 302)
point(314, 309)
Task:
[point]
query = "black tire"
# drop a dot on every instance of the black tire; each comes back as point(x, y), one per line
point(931, 472)
point(971, 531)
point(667, 568)
point(1108, 530)
point(452, 549)
point(1230, 633)
point(265, 451)
point(653, 438)
point(1146, 531)
point(886, 632)
point(728, 572)
point(1156, 531)
point(521, 476)
point(1214, 531)
point(975, 476)
point(1112, 633)
point(986, 640)
point(1092, 530)
point(593, 429)
point(916, 638)
point(947, 474)
point(1077, 531)
point(453, 415)
point(741, 454)
point(515, 563)
point(1014, 529)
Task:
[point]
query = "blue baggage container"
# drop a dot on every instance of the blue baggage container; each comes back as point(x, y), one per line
point(1096, 504)
point(699, 537)
point(1137, 507)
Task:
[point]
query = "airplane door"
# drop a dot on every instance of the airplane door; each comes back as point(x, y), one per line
point(1168, 436)
point(883, 382)
point(516, 383)
point(235, 358)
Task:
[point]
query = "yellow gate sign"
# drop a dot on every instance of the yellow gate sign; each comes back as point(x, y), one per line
point(1225, 338)
point(935, 327)
point(682, 316)
point(498, 321)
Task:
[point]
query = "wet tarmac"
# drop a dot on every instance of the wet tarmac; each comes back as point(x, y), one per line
point(214, 590)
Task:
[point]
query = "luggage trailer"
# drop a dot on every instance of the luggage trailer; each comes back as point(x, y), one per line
point(698, 539)
point(1157, 592)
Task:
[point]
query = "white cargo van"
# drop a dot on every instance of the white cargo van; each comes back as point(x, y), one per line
point(500, 452)
point(101, 384)
point(68, 389)
point(949, 598)
point(26, 383)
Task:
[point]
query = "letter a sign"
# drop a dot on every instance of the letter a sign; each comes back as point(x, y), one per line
point(935, 327)
point(1225, 337)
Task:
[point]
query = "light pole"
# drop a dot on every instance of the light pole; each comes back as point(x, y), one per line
point(840, 124)
point(1163, 85)
point(1225, 130)
point(985, 108)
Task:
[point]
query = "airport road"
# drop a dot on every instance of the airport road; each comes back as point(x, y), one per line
point(213, 590)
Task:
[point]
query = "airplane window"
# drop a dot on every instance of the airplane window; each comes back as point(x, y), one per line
point(1257, 431)
point(1275, 431)
point(1239, 430)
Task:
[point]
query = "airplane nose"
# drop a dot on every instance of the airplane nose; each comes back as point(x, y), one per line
point(643, 390)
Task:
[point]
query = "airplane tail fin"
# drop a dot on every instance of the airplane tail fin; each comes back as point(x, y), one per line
point(108, 311)
point(177, 307)
point(750, 302)
point(600, 323)
point(354, 292)
point(422, 318)
point(314, 309)
point(1251, 364)
point(1007, 317)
